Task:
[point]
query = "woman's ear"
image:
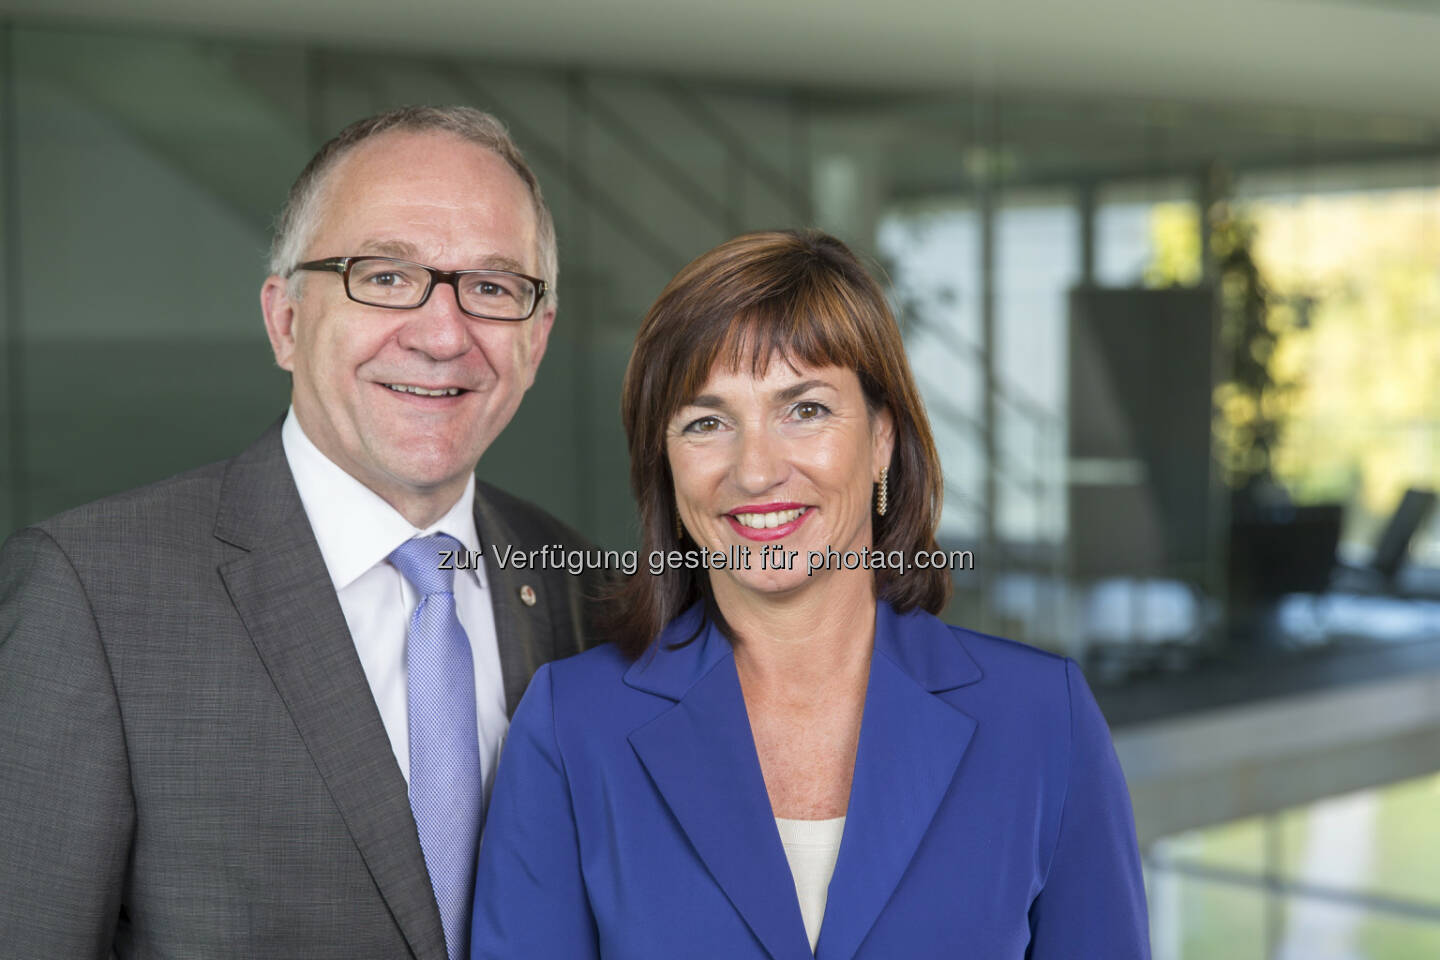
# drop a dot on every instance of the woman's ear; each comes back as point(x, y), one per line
point(882, 429)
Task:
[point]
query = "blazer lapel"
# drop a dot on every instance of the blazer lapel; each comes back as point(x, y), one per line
point(523, 631)
point(911, 744)
point(702, 758)
point(283, 594)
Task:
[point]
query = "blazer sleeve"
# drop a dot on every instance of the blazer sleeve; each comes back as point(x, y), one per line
point(1093, 900)
point(530, 899)
point(67, 812)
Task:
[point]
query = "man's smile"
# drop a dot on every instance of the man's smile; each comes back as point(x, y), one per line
point(420, 391)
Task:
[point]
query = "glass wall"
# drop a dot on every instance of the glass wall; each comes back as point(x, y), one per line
point(1066, 274)
point(147, 170)
point(1346, 877)
point(1354, 260)
point(157, 163)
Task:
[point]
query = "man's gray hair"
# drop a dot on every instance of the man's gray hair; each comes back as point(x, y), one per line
point(300, 217)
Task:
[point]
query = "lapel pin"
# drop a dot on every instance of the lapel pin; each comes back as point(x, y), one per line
point(527, 595)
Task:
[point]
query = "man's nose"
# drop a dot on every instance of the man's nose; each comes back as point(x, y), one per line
point(438, 328)
point(760, 461)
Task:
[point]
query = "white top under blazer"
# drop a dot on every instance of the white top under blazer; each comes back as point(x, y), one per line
point(812, 847)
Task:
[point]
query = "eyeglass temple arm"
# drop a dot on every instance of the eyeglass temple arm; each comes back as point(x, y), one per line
point(333, 264)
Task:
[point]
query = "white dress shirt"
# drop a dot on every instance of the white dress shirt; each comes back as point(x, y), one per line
point(356, 531)
point(811, 848)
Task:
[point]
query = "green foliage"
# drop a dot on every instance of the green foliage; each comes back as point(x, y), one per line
point(1251, 400)
point(1253, 397)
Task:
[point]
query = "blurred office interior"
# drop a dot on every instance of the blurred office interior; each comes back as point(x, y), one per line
point(1169, 275)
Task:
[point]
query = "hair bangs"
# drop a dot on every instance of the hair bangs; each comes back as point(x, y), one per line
point(806, 324)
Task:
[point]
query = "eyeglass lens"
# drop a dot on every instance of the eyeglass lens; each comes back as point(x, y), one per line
point(384, 282)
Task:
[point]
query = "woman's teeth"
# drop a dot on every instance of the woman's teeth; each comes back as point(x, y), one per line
point(764, 521)
point(422, 392)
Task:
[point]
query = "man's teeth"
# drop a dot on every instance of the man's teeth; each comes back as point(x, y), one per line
point(422, 392)
point(763, 521)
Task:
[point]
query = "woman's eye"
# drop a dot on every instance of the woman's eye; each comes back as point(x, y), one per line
point(809, 410)
point(703, 425)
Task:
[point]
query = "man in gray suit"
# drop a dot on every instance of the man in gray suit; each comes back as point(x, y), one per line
point(253, 710)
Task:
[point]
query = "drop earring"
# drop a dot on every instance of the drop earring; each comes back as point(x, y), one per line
point(882, 496)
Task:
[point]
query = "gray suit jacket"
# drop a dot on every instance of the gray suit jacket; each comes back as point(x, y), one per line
point(191, 761)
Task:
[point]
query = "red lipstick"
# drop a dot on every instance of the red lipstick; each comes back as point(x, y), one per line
point(768, 533)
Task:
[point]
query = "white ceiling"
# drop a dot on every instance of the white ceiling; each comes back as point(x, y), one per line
point(1368, 56)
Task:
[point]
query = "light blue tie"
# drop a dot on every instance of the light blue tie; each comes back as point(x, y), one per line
point(445, 788)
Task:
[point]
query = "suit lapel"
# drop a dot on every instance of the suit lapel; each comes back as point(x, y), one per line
point(701, 756)
point(911, 744)
point(523, 631)
point(283, 594)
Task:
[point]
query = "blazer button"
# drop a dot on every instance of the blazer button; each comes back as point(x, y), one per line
point(527, 595)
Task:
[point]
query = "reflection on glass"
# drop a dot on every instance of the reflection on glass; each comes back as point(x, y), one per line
point(1194, 919)
point(1355, 876)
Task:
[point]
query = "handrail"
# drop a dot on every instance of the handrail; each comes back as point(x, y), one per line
point(658, 250)
point(1011, 393)
point(717, 127)
point(919, 320)
point(1376, 903)
point(694, 192)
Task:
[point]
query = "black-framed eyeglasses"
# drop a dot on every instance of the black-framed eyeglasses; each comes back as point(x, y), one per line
point(403, 285)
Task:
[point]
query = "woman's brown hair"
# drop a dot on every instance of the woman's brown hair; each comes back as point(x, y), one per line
point(797, 296)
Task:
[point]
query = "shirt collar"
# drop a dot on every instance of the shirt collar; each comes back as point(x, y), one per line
point(354, 526)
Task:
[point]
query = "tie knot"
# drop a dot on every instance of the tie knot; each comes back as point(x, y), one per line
point(419, 561)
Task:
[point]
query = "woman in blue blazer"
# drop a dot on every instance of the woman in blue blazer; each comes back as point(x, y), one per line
point(785, 754)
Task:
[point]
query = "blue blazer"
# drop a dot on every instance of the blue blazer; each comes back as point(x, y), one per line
point(988, 816)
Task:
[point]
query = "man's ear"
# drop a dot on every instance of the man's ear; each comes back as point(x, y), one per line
point(279, 310)
point(539, 334)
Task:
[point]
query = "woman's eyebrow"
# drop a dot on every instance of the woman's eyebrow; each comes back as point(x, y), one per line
point(797, 389)
point(781, 396)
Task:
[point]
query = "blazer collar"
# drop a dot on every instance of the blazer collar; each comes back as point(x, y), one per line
point(257, 494)
point(525, 633)
point(684, 652)
point(701, 757)
point(924, 649)
point(284, 596)
point(918, 644)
